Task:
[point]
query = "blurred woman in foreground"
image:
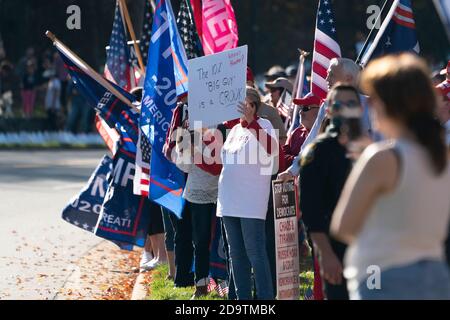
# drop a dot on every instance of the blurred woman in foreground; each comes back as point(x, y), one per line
point(395, 207)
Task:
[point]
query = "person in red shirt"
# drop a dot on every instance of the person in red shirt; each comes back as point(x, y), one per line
point(310, 105)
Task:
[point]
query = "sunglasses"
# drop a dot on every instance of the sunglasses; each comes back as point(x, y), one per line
point(271, 90)
point(307, 108)
point(351, 104)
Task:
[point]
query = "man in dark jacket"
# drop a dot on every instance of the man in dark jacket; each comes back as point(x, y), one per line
point(324, 167)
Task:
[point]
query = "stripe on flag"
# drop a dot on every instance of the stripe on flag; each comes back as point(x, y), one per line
point(326, 48)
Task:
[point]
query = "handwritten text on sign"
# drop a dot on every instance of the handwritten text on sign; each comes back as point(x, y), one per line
point(286, 240)
point(216, 85)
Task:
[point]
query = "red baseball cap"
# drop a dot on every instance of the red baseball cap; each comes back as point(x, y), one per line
point(308, 100)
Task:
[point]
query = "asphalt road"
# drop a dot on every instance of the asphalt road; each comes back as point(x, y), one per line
point(37, 248)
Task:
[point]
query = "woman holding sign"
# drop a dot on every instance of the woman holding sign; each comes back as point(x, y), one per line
point(248, 156)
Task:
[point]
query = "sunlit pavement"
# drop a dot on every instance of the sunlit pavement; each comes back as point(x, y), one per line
point(37, 248)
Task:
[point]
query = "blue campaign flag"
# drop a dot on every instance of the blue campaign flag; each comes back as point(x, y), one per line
point(165, 80)
point(84, 209)
point(124, 217)
point(397, 33)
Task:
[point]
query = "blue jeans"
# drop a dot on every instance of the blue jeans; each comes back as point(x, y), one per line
point(423, 280)
point(247, 245)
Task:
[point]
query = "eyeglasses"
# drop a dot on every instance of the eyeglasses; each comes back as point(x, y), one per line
point(307, 108)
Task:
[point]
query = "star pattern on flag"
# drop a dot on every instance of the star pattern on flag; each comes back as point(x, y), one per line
point(146, 34)
point(118, 56)
point(188, 32)
point(327, 22)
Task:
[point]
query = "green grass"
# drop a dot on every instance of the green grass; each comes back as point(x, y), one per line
point(163, 289)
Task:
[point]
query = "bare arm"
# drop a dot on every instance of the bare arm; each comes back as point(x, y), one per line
point(375, 173)
point(330, 266)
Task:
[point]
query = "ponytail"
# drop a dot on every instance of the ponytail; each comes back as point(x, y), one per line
point(430, 134)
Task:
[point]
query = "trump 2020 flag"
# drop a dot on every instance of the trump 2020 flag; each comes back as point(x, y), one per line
point(84, 209)
point(397, 33)
point(125, 217)
point(165, 80)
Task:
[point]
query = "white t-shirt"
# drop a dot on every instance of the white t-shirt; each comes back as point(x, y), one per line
point(244, 183)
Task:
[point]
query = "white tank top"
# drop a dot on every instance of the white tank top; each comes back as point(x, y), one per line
point(406, 225)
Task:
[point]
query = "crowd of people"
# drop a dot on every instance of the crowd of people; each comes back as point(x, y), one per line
point(371, 163)
point(39, 86)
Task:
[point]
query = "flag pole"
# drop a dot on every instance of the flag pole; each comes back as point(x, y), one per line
point(86, 68)
point(125, 13)
point(366, 43)
point(380, 32)
point(298, 85)
point(152, 3)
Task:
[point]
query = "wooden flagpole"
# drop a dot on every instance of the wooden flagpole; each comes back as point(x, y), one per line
point(86, 68)
point(125, 13)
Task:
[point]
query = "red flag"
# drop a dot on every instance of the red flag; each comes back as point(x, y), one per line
point(219, 28)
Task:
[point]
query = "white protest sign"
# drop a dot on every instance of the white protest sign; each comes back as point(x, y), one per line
point(216, 85)
point(286, 239)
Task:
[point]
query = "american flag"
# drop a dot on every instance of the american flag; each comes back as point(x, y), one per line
point(118, 70)
point(188, 32)
point(326, 48)
point(146, 33)
point(141, 180)
point(285, 104)
point(404, 15)
point(221, 288)
point(309, 294)
point(397, 33)
point(118, 57)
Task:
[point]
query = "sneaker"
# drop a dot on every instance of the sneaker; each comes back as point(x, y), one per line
point(150, 265)
point(169, 278)
point(200, 291)
point(146, 258)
